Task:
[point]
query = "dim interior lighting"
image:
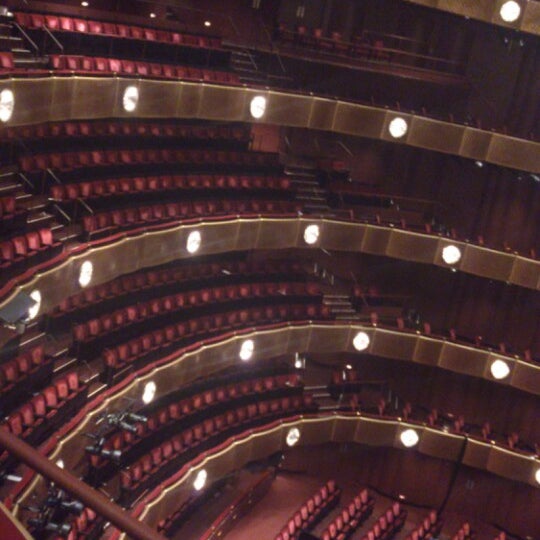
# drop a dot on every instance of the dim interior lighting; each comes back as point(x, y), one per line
point(293, 436)
point(194, 240)
point(398, 127)
point(479, 163)
point(348, 366)
point(130, 98)
point(149, 392)
point(257, 107)
point(34, 310)
point(537, 476)
point(200, 479)
point(152, 15)
point(311, 234)
point(84, 4)
point(409, 438)
point(246, 350)
point(510, 11)
point(451, 254)
point(207, 24)
point(7, 104)
point(499, 369)
point(361, 341)
point(85, 273)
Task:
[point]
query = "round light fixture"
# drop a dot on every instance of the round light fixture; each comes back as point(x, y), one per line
point(200, 479)
point(152, 15)
point(510, 11)
point(361, 341)
point(537, 476)
point(311, 234)
point(149, 392)
point(85, 273)
point(499, 369)
point(130, 98)
point(398, 127)
point(84, 4)
point(298, 363)
point(194, 240)
point(257, 107)
point(7, 104)
point(246, 350)
point(207, 24)
point(293, 436)
point(409, 438)
point(34, 310)
point(451, 254)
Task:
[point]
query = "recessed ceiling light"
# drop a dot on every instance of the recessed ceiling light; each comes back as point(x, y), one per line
point(130, 99)
point(152, 15)
point(510, 11)
point(451, 254)
point(409, 438)
point(293, 436)
point(311, 234)
point(194, 240)
point(84, 4)
point(7, 104)
point(246, 350)
point(361, 341)
point(200, 480)
point(149, 392)
point(499, 369)
point(257, 106)
point(398, 127)
point(34, 310)
point(85, 273)
point(207, 24)
point(60, 463)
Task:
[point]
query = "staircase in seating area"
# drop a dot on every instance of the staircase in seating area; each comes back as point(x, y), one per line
point(243, 63)
point(341, 306)
point(308, 190)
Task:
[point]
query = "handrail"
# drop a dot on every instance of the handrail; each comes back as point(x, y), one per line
point(60, 46)
point(27, 37)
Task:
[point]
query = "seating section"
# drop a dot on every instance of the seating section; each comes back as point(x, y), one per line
point(312, 511)
point(385, 528)
point(429, 528)
point(464, 532)
point(87, 525)
point(65, 24)
point(350, 518)
point(10, 215)
point(24, 252)
point(162, 460)
point(89, 65)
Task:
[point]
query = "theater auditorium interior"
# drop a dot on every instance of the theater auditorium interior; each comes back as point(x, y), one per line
point(269, 269)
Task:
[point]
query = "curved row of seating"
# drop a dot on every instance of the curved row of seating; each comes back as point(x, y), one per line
point(351, 517)
point(464, 532)
point(90, 65)
point(73, 161)
point(429, 528)
point(135, 352)
point(213, 399)
point(130, 285)
point(23, 252)
point(161, 185)
point(168, 456)
point(47, 409)
point(386, 527)
point(143, 312)
point(60, 24)
point(311, 511)
point(86, 129)
point(84, 526)
point(111, 222)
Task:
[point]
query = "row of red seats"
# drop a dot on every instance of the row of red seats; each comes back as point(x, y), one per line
point(6, 62)
point(464, 532)
point(107, 223)
point(16, 370)
point(20, 253)
point(312, 511)
point(90, 65)
point(133, 283)
point(182, 409)
point(101, 28)
point(42, 406)
point(9, 211)
point(199, 328)
point(154, 184)
point(70, 161)
point(177, 303)
point(385, 528)
point(82, 526)
point(429, 528)
point(350, 517)
point(117, 128)
point(190, 438)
